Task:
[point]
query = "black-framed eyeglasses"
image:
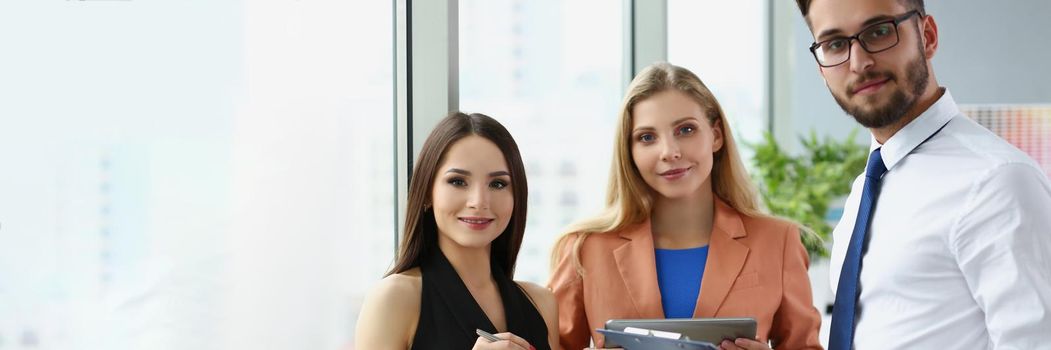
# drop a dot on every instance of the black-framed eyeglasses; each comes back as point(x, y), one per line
point(875, 38)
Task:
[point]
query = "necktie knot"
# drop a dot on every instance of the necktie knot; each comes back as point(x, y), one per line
point(875, 167)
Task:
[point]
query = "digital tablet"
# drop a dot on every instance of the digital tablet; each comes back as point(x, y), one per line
point(712, 330)
point(630, 341)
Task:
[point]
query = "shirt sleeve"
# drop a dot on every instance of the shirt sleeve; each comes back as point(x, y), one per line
point(568, 287)
point(1002, 242)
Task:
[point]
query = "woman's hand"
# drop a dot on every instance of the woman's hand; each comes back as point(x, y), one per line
point(743, 343)
point(510, 341)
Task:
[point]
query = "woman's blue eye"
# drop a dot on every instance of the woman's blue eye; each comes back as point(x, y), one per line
point(686, 130)
point(646, 138)
point(499, 185)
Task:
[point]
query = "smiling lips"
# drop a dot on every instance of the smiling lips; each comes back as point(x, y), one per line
point(870, 86)
point(476, 223)
point(674, 174)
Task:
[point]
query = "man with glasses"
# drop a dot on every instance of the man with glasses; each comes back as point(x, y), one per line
point(945, 241)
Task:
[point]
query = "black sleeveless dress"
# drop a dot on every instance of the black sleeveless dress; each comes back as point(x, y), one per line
point(449, 314)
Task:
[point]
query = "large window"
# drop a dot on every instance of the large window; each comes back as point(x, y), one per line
point(725, 44)
point(192, 175)
point(551, 72)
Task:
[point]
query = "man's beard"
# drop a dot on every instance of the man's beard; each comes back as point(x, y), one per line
point(900, 102)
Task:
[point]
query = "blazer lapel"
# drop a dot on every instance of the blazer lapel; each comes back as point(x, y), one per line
point(726, 257)
point(638, 269)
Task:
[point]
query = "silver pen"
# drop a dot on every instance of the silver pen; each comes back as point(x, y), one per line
point(491, 338)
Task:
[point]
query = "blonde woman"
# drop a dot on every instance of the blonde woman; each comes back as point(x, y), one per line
point(682, 235)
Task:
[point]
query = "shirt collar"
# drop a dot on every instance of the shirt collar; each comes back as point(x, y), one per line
point(917, 131)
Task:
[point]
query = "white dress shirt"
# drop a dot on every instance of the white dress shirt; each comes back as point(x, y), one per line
point(959, 251)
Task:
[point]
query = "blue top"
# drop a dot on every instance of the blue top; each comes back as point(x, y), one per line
point(679, 273)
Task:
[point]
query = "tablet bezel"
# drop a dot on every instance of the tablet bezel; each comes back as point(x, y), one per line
point(653, 343)
point(712, 330)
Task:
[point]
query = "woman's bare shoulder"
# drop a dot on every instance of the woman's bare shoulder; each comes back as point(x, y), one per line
point(544, 301)
point(535, 290)
point(542, 298)
point(390, 312)
point(404, 287)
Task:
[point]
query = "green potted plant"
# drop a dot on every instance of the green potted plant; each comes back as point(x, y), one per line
point(801, 187)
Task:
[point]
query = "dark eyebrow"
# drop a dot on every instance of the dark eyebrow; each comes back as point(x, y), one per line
point(458, 171)
point(468, 173)
point(877, 19)
point(677, 122)
point(864, 25)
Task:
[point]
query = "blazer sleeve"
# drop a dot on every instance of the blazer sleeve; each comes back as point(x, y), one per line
point(568, 287)
point(796, 323)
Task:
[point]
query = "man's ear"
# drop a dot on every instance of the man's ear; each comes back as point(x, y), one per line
point(930, 36)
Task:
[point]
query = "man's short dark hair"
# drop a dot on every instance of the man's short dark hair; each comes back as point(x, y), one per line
point(804, 6)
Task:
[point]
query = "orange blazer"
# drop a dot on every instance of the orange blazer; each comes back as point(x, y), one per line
point(757, 267)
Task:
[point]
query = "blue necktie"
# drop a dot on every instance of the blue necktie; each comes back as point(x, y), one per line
point(842, 332)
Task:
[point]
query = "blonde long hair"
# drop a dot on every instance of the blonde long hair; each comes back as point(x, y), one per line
point(629, 200)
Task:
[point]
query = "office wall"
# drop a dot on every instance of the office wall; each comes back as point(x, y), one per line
point(989, 52)
point(994, 52)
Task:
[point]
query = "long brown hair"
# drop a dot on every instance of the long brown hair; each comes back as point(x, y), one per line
point(629, 200)
point(420, 235)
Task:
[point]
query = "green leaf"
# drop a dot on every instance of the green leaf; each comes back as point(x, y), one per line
point(801, 187)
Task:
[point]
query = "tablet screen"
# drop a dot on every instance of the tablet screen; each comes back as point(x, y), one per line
point(712, 330)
